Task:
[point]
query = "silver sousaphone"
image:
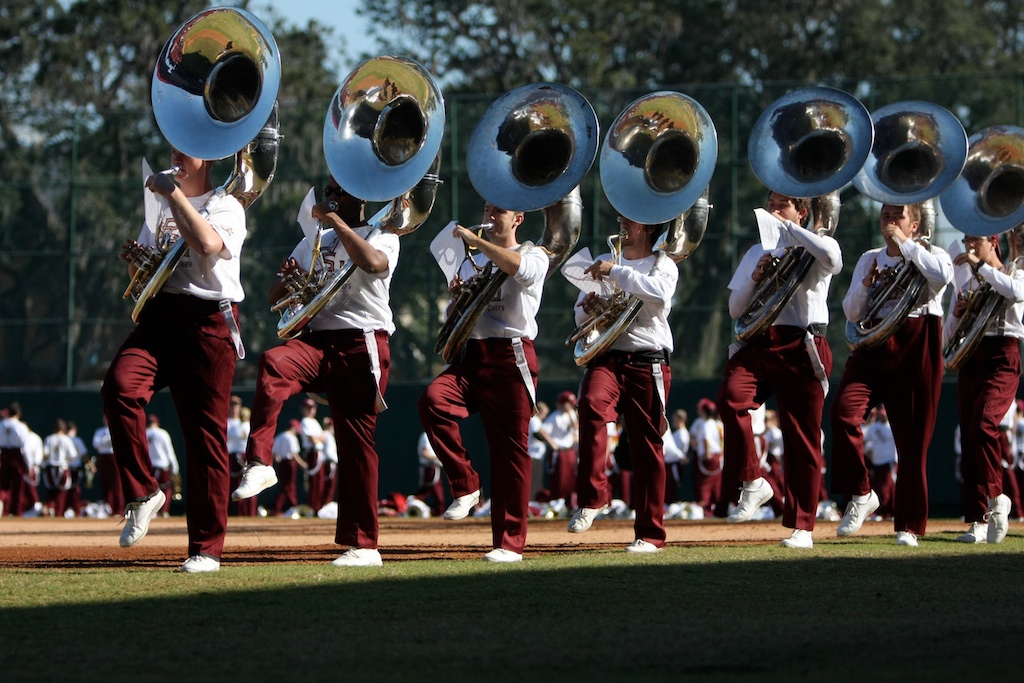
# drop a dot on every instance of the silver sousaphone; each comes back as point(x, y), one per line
point(987, 199)
point(808, 143)
point(214, 94)
point(657, 162)
point(528, 152)
point(918, 152)
point(382, 140)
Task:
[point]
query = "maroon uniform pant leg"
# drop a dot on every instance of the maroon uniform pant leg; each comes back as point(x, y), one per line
point(644, 415)
point(599, 397)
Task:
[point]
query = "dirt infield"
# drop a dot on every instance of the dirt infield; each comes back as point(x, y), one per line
point(91, 543)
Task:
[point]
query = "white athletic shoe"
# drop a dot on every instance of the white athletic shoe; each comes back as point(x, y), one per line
point(198, 564)
point(752, 497)
point(642, 546)
point(856, 514)
point(976, 533)
point(906, 538)
point(998, 518)
point(137, 516)
point(502, 555)
point(462, 506)
point(359, 557)
point(584, 517)
point(801, 538)
point(255, 478)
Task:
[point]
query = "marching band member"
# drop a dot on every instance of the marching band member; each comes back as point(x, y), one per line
point(986, 385)
point(904, 373)
point(346, 355)
point(185, 340)
point(632, 379)
point(791, 360)
point(497, 377)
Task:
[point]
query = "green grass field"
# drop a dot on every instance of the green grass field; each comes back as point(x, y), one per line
point(858, 609)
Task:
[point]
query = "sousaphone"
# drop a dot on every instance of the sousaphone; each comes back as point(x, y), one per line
point(657, 162)
point(214, 94)
point(919, 150)
point(528, 152)
point(808, 143)
point(382, 140)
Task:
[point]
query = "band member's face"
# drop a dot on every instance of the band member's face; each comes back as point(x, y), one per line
point(504, 220)
point(633, 233)
point(982, 247)
point(190, 166)
point(784, 208)
point(347, 204)
point(898, 216)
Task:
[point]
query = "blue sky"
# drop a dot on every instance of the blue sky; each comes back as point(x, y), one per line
point(338, 14)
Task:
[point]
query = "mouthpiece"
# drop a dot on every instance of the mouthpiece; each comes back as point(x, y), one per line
point(172, 171)
point(483, 226)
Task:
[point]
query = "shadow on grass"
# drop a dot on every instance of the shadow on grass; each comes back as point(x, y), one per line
point(686, 614)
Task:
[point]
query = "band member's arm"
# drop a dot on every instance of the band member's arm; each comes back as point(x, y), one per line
point(855, 303)
point(825, 249)
point(657, 287)
point(197, 231)
point(935, 265)
point(1009, 286)
point(363, 254)
point(744, 280)
point(505, 260)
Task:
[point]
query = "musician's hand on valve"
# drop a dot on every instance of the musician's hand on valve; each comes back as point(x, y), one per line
point(872, 275)
point(454, 286)
point(763, 264)
point(960, 305)
point(599, 270)
point(290, 268)
point(129, 250)
point(589, 302)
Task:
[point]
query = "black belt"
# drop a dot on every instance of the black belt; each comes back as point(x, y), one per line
point(641, 357)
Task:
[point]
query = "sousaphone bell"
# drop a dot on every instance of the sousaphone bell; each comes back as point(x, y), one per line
point(808, 143)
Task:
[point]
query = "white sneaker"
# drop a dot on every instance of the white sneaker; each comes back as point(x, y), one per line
point(976, 533)
point(255, 478)
point(856, 514)
point(198, 564)
point(752, 498)
point(642, 546)
point(998, 518)
point(906, 538)
point(801, 538)
point(359, 557)
point(137, 516)
point(462, 506)
point(584, 517)
point(502, 555)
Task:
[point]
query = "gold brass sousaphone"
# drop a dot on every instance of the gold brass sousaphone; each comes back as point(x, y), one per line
point(656, 166)
point(808, 143)
point(987, 199)
point(382, 141)
point(918, 151)
point(529, 151)
point(214, 94)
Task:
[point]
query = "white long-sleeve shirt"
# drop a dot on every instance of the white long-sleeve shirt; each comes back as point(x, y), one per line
point(933, 263)
point(637, 277)
point(161, 450)
point(809, 303)
point(1005, 283)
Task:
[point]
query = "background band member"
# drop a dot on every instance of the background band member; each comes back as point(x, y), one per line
point(905, 373)
point(106, 463)
point(497, 377)
point(633, 379)
point(346, 356)
point(562, 431)
point(184, 341)
point(791, 360)
point(986, 385)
